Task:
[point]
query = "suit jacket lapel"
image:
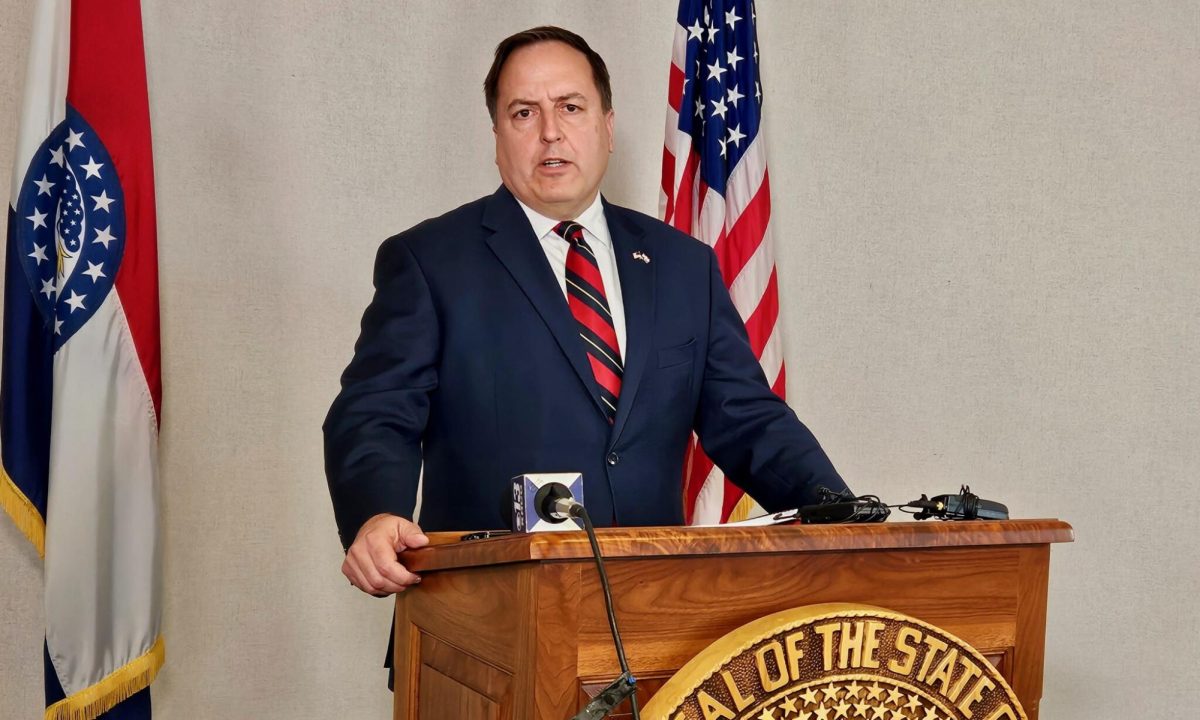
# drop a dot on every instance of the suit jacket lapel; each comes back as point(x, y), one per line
point(637, 295)
point(514, 244)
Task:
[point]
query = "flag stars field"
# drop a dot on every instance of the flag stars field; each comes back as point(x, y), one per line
point(720, 108)
point(735, 136)
point(732, 59)
point(102, 201)
point(103, 237)
point(38, 218)
point(75, 139)
point(92, 168)
point(43, 185)
point(95, 271)
point(733, 95)
point(76, 301)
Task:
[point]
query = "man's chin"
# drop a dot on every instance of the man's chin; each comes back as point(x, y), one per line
point(560, 205)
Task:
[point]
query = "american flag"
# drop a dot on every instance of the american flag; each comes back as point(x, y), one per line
point(714, 186)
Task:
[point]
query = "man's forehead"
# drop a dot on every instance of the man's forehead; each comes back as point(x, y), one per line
point(555, 68)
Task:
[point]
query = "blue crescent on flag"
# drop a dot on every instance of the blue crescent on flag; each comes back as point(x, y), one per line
point(70, 225)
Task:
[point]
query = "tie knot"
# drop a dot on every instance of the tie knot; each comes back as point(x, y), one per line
point(569, 230)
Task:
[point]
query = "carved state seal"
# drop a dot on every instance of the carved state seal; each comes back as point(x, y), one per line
point(836, 662)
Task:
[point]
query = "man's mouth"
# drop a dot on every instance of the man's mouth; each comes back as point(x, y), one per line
point(554, 163)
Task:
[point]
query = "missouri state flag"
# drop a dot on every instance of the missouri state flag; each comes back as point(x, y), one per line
point(80, 389)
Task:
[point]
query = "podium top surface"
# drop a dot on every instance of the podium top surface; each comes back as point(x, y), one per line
point(446, 551)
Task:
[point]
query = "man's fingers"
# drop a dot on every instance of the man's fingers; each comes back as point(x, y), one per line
point(414, 539)
point(354, 574)
point(389, 567)
point(373, 581)
point(371, 563)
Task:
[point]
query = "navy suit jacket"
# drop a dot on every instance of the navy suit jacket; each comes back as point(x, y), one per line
point(470, 361)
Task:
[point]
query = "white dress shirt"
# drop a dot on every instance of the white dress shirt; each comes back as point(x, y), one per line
point(595, 232)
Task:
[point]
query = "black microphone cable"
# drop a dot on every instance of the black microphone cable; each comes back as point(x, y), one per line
point(550, 506)
point(626, 685)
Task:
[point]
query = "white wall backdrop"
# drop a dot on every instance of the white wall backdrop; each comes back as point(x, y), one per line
point(987, 218)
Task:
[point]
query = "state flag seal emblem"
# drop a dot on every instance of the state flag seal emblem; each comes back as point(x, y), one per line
point(70, 234)
point(837, 662)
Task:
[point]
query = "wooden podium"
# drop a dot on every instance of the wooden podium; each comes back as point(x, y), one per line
point(514, 628)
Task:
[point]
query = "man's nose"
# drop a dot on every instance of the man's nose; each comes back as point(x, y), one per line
point(551, 132)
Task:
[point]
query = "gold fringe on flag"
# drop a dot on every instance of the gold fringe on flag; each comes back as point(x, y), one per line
point(120, 685)
point(29, 521)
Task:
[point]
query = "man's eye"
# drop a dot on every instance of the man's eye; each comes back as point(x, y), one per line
point(571, 108)
point(523, 113)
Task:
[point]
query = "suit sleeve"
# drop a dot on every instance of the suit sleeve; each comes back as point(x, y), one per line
point(373, 430)
point(748, 430)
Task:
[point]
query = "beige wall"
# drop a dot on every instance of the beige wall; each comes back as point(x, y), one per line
point(986, 217)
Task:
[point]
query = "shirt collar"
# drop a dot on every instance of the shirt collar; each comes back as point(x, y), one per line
point(591, 219)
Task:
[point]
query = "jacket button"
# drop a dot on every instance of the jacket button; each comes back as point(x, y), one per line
point(613, 458)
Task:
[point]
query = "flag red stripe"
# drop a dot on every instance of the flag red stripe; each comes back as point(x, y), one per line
point(733, 494)
point(668, 182)
point(746, 234)
point(762, 321)
point(107, 85)
point(683, 197)
point(780, 386)
point(722, 261)
point(675, 87)
point(701, 467)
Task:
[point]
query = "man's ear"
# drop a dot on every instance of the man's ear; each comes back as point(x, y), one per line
point(609, 118)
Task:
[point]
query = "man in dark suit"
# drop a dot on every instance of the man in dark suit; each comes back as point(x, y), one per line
point(542, 329)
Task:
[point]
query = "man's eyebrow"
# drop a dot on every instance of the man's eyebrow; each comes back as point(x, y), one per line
point(517, 102)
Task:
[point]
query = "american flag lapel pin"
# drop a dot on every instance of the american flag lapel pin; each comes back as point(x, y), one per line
point(639, 255)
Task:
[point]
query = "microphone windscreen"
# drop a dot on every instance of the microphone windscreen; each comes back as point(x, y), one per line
point(524, 501)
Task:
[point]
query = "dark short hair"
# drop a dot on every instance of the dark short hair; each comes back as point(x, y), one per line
point(545, 33)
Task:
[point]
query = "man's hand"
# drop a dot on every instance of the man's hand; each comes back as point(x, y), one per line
point(371, 562)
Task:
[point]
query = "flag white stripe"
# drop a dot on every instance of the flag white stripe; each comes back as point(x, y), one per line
point(679, 46)
point(711, 498)
point(745, 179)
point(680, 150)
point(751, 283)
point(771, 358)
point(712, 217)
point(681, 146)
point(45, 102)
point(102, 595)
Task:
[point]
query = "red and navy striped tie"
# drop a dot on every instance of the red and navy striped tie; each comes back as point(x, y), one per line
point(589, 305)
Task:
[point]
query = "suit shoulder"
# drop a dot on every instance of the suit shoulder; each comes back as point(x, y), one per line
point(668, 238)
point(446, 231)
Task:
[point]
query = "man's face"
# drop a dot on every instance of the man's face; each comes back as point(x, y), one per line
point(552, 136)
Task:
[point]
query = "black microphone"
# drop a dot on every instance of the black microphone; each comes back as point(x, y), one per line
point(844, 507)
point(554, 504)
point(964, 506)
